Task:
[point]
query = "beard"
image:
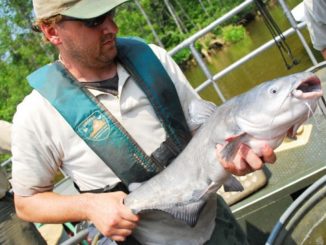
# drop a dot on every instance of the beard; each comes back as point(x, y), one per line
point(93, 56)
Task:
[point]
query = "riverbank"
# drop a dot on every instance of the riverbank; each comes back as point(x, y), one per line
point(223, 36)
point(265, 66)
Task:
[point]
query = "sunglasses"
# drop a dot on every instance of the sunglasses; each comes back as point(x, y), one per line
point(93, 22)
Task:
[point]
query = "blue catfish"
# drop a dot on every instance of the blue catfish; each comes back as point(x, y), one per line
point(263, 115)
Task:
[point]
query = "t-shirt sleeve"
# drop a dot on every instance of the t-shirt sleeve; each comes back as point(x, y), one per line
point(33, 162)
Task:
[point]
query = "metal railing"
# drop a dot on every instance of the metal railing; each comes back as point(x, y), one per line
point(212, 78)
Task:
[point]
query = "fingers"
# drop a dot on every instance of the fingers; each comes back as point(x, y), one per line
point(126, 224)
point(119, 228)
point(120, 234)
point(246, 160)
point(119, 238)
point(111, 217)
point(253, 161)
point(122, 229)
point(268, 154)
point(238, 166)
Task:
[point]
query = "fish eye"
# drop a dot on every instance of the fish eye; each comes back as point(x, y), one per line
point(273, 90)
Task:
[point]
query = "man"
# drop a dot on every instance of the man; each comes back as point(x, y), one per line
point(315, 16)
point(102, 90)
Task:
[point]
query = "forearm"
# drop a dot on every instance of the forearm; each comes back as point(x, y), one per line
point(50, 207)
point(105, 210)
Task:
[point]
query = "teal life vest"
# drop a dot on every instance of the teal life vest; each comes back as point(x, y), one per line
point(98, 127)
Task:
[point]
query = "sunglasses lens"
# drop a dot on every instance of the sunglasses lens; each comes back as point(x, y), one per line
point(91, 23)
point(98, 20)
point(95, 21)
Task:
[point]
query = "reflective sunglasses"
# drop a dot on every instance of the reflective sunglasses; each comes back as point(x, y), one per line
point(93, 22)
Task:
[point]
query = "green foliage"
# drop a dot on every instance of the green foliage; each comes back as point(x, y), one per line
point(21, 52)
point(182, 56)
point(171, 38)
point(233, 34)
point(191, 14)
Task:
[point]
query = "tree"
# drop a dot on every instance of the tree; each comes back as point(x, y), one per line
point(203, 7)
point(149, 23)
point(184, 13)
point(175, 17)
point(20, 53)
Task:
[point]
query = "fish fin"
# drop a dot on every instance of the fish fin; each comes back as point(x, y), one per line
point(188, 213)
point(234, 137)
point(232, 184)
point(200, 111)
point(292, 132)
point(231, 147)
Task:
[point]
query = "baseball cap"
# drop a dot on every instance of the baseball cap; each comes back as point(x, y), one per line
point(81, 9)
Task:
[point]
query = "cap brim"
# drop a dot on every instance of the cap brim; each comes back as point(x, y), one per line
point(87, 9)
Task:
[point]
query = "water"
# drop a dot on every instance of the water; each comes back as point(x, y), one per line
point(267, 65)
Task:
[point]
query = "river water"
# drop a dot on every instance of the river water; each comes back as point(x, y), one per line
point(267, 65)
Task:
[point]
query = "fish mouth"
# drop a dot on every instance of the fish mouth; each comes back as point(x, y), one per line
point(309, 88)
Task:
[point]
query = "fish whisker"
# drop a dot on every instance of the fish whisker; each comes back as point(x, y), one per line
point(311, 113)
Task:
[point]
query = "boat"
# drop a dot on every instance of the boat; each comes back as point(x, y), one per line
point(269, 192)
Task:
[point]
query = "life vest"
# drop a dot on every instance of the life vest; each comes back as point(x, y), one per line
point(98, 127)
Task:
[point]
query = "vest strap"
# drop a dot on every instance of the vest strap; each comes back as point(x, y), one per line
point(98, 127)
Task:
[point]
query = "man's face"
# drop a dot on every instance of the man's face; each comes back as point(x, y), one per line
point(90, 46)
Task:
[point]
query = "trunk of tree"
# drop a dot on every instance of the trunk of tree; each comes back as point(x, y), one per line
point(203, 7)
point(149, 23)
point(174, 15)
point(210, 3)
point(184, 13)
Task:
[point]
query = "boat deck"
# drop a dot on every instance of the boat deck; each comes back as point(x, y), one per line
point(296, 168)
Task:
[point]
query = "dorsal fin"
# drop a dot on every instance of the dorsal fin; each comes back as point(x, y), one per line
point(200, 111)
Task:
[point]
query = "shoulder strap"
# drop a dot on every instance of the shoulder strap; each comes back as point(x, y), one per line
point(140, 61)
point(97, 126)
point(94, 124)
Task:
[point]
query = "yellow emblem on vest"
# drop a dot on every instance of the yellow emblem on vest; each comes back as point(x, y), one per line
point(94, 127)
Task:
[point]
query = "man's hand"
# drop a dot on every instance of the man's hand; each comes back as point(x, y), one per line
point(110, 216)
point(246, 160)
point(105, 210)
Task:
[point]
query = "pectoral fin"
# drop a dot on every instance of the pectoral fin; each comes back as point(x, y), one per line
point(231, 147)
point(232, 184)
point(200, 111)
